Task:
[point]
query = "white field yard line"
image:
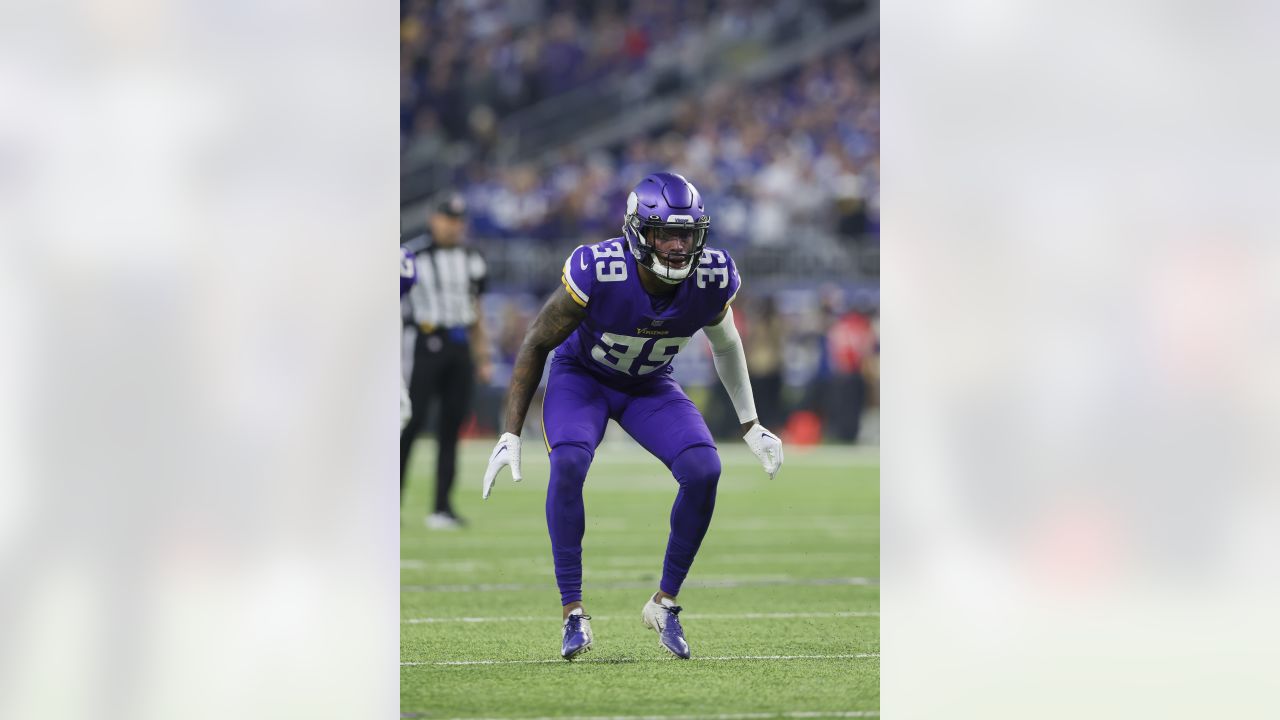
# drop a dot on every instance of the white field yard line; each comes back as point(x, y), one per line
point(498, 587)
point(867, 528)
point(658, 524)
point(623, 538)
point(720, 716)
point(688, 615)
point(839, 656)
point(640, 561)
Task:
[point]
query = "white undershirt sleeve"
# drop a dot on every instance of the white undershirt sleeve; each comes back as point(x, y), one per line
point(731, 365)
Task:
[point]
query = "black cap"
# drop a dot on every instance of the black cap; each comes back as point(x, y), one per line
point(451, 204)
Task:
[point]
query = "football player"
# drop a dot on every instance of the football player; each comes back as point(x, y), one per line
point(629, 305)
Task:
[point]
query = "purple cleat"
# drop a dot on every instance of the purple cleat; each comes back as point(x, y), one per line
point(577, 635)
point(663, 618)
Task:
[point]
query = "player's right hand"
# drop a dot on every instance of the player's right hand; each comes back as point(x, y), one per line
point(506, 452)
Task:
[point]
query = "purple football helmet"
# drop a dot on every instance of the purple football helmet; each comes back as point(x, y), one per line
point(672, 208)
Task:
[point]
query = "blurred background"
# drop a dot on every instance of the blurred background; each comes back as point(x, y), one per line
point(1081, 501)
point(544, 114)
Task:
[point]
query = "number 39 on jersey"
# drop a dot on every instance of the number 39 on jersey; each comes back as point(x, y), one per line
point(628, 332)
point(611, 264)
point(621, 352)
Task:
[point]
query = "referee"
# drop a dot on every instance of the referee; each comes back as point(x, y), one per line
point(444, 327)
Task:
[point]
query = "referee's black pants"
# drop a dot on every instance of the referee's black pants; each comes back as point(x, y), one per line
point(442, 370)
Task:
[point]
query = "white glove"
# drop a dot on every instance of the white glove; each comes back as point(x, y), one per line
point(506, 452)
point(766, 446)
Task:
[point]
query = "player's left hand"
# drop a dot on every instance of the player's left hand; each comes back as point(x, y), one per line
point(506, 452)
point(766, 446)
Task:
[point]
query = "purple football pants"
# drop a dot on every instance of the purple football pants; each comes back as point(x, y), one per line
point(666, 423)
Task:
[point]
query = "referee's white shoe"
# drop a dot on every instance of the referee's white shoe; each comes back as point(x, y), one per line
point(444, 521)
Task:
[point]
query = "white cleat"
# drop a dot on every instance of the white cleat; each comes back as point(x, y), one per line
point(663, 619)
point(577, 635)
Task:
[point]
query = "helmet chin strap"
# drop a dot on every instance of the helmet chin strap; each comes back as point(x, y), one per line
point(669, 275)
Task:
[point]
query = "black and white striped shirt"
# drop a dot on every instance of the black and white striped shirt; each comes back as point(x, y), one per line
point(449, 281)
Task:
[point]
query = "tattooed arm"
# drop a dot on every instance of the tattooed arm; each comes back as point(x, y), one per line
point(557, 319)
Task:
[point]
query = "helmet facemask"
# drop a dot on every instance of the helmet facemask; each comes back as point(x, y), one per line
point(658, 245)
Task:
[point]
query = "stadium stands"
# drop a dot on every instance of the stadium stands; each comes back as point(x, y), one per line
point(796, 155)
point(545, 114)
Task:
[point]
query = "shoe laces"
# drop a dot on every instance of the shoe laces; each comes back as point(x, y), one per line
point(575, 625)
point(674, 617)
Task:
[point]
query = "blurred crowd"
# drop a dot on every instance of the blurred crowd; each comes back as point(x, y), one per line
point(794, 156)
point(814, 359)
point(787, 163)
point(465, 63)
point(797, 156)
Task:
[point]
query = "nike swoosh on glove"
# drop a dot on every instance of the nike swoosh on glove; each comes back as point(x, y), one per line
point(506, 452)
point(766, 446)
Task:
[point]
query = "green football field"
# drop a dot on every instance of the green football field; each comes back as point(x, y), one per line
point(781, 606)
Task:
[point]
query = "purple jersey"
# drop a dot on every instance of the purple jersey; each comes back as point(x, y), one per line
point(629, 334)
point(407, 272)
